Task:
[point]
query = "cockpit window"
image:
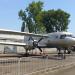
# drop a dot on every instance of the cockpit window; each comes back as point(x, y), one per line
point(68, 35)
point(63, 36)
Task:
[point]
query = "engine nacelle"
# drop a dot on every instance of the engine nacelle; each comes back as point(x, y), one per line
point(33, 43)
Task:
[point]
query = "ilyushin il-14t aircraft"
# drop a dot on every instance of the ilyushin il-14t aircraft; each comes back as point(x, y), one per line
point(59, 40)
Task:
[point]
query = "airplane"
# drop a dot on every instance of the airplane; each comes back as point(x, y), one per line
point(60, 40)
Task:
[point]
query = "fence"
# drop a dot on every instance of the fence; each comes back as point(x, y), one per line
point(19, 66)
point(28, 65)
point(24, 65)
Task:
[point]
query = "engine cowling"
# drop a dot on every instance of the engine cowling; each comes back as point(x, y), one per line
point(33, 43)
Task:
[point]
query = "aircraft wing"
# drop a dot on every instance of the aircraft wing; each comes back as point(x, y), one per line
point(13, 43)
point(20, 33)
point(5, 38)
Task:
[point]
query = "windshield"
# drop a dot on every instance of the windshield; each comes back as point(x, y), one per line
point(63, 36)
point(68, 35)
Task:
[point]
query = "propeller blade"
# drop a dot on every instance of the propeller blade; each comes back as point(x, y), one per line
point(40, 40)
point(40, 49)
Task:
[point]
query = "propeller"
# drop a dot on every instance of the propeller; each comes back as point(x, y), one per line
point(35, 43)
point(40, 39)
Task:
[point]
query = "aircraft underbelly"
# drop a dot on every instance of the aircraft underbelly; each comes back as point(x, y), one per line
point(57, 43)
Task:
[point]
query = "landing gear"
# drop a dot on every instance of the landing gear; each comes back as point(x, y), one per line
point(64, 56)
point(69, 50)
point(27, 49)
point(26, 54)
point(61, 54)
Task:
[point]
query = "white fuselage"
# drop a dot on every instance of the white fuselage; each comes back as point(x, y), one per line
point(58, 39)
point(55, 39)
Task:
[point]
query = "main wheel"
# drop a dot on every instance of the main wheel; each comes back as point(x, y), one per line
point(69, 52)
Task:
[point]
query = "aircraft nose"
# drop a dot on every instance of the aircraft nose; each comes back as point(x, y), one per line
point(71, 40)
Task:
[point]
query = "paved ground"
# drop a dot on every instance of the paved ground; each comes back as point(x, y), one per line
point(68, 71)
point(34, 64)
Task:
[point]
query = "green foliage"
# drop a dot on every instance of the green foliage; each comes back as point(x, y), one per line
point(39, 21)
point(34, 8)
point(54, 20)
point(29, 17)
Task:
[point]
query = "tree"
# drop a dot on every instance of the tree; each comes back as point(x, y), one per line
point(39, 21)
point(54, 20)
point(29, 17)
point(22, 16)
